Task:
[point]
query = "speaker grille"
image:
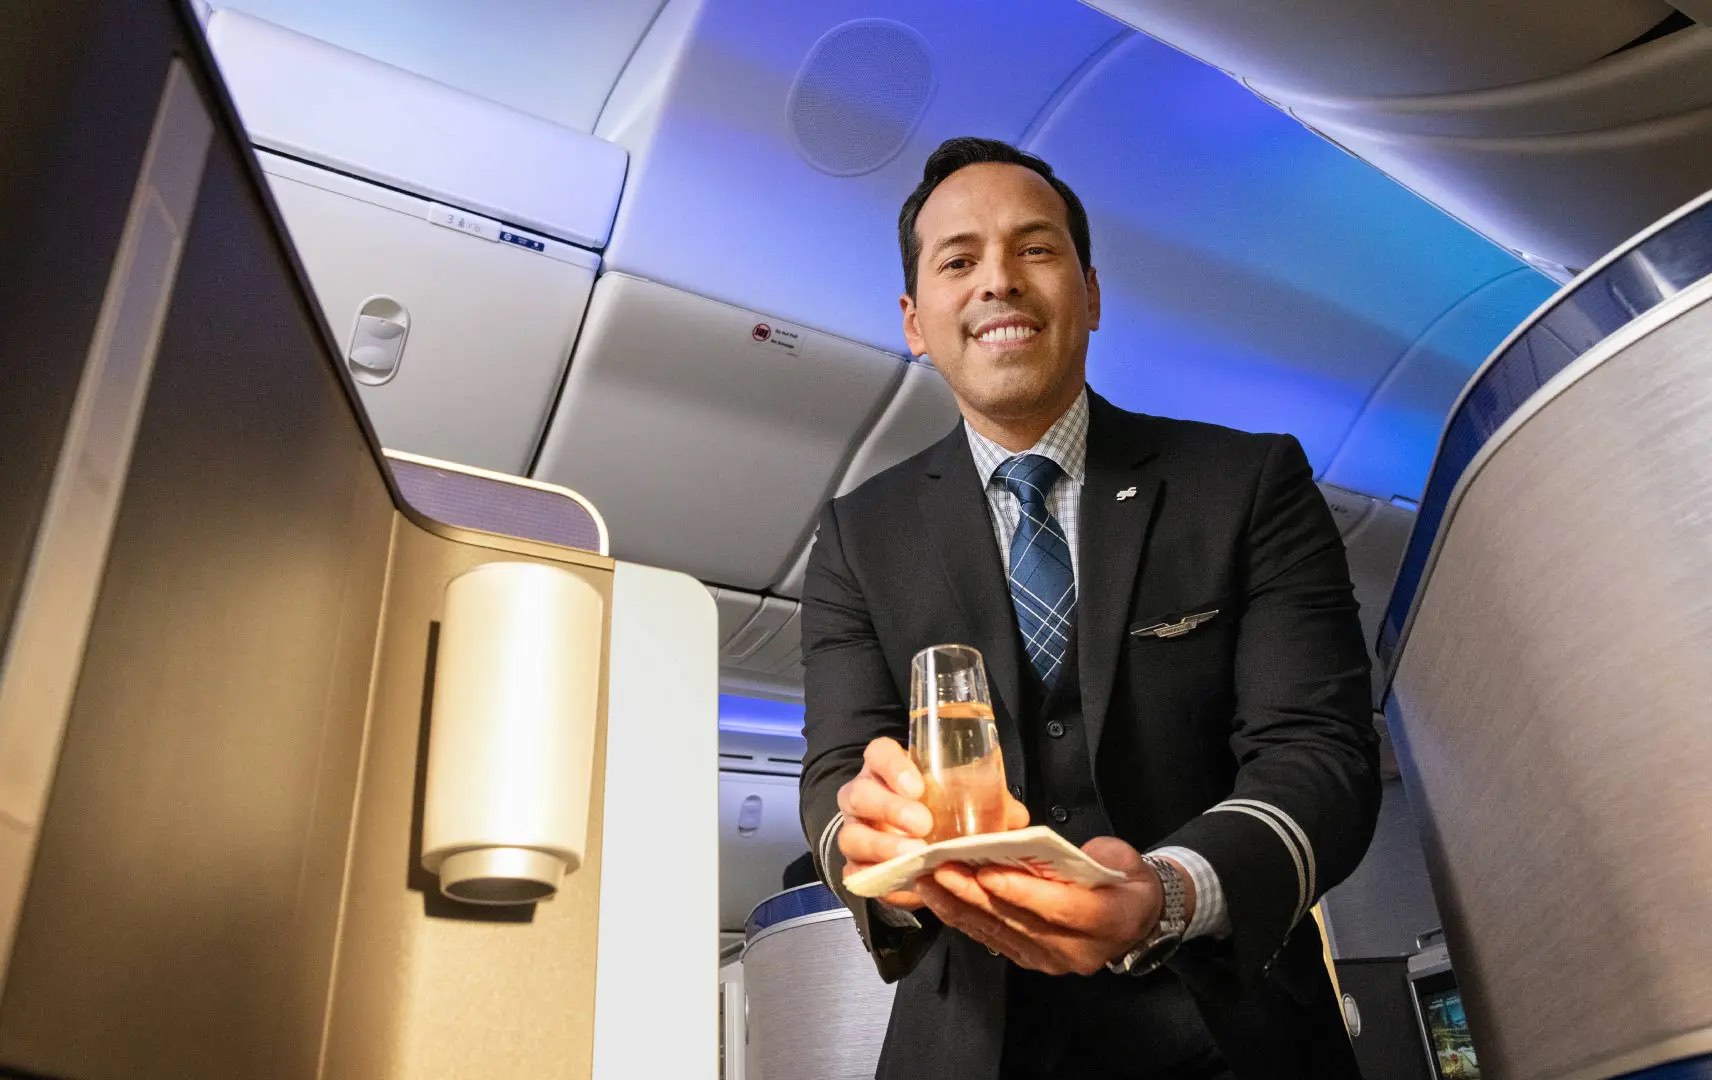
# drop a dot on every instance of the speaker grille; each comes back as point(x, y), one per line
point(859, 96)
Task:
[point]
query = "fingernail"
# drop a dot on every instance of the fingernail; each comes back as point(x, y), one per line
point(911, 784)
point(920, 819)
point(910, 847)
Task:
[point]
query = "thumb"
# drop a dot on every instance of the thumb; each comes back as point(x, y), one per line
point(1016, 814)
point(1112, 852)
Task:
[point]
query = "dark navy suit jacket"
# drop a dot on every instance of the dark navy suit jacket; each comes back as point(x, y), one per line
point(1248, 738)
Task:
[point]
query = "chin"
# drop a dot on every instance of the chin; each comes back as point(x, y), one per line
point(1015, 401)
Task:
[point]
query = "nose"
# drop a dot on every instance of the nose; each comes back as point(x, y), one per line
point(1002, 279)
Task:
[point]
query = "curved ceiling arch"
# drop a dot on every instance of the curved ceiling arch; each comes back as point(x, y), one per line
point(1253, 274)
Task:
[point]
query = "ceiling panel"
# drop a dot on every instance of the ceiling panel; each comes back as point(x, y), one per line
point(721, 202)
point(1252, 274)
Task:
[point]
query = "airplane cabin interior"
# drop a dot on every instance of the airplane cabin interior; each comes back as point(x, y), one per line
point(374, 368)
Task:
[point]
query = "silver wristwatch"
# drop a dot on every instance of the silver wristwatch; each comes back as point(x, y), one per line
point(1157, 947)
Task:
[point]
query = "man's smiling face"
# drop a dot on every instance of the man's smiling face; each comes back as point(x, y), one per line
point(1002, 304)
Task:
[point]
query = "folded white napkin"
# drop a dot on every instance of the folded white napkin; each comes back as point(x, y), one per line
point(1036, 849)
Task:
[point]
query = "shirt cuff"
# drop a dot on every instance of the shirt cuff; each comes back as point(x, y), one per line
point(1211, 918)
point(824, 846)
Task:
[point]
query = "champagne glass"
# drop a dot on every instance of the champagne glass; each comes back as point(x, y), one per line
point(955, 743)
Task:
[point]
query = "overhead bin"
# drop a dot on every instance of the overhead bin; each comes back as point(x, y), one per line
point(457, 342)
point(1535, 166)
point(760, 833)
point(448, 238)
point(305, 98)
point(776, 753)
point(781, 653)
point(920, 414)
point(760, 649)
point(770, 618)
point(1557, 133)
point(708, 434)
point(1391, 47)
point(735, 609)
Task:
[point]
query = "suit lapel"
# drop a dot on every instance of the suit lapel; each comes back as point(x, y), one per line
point(1113, 532)
point(954, 508)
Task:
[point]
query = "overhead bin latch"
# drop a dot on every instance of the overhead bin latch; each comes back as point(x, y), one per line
point(377, 340)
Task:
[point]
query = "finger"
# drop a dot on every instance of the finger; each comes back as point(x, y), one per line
point(1112, 852)
point(1055, 949)
point(959, 881)
point(864, 846)
point(1025, 935)
point(953, 895)
point(891, 763)
point(963, 885)
point(869, 801)
point(1103, 912)
point(951, 911)
point(981, 927)
point(907, 900)
point(1016, 814)
point(1045, 933)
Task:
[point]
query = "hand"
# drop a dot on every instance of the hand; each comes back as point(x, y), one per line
point(884, 816)
point(1051, 926)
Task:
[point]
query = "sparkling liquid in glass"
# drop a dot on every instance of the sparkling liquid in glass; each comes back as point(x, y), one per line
point(957, 752)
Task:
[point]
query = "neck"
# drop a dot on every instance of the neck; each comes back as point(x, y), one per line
point(1017, 434)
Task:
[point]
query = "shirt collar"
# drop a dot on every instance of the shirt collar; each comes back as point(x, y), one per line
point(1065, 442)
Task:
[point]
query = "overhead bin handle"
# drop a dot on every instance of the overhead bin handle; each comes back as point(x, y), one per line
point(377, 340)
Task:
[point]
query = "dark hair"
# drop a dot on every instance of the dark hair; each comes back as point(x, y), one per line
point(961, 152)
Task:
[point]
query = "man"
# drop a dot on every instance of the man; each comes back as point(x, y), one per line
point(1205, 703)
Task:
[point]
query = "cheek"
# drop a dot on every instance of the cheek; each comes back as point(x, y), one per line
point(941, 329)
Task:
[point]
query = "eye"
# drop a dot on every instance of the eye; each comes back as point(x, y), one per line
point(1037, 249)
point(959, 263)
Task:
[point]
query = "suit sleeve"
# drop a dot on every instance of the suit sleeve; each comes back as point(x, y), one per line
point(1307, 783)
point(851, 699)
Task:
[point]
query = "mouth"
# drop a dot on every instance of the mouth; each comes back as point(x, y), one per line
point(1009, 332)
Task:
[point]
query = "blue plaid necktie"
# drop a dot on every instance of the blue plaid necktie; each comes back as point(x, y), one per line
point(1042, 581)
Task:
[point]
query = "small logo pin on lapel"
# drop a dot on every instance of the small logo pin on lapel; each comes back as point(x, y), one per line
point(1126, 493)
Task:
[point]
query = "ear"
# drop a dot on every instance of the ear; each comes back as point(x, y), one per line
point(1093, 299)
point(912, 326)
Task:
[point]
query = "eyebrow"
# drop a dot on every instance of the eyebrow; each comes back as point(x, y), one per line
point(1038, 225)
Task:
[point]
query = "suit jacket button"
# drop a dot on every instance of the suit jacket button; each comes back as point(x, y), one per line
point(1055, 728)
point(1016, 791)
point(1060, 815)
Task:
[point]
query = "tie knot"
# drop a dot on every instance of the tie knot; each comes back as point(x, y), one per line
point(1029, 477)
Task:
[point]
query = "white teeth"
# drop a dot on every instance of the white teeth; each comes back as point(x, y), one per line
point(1008, 333)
